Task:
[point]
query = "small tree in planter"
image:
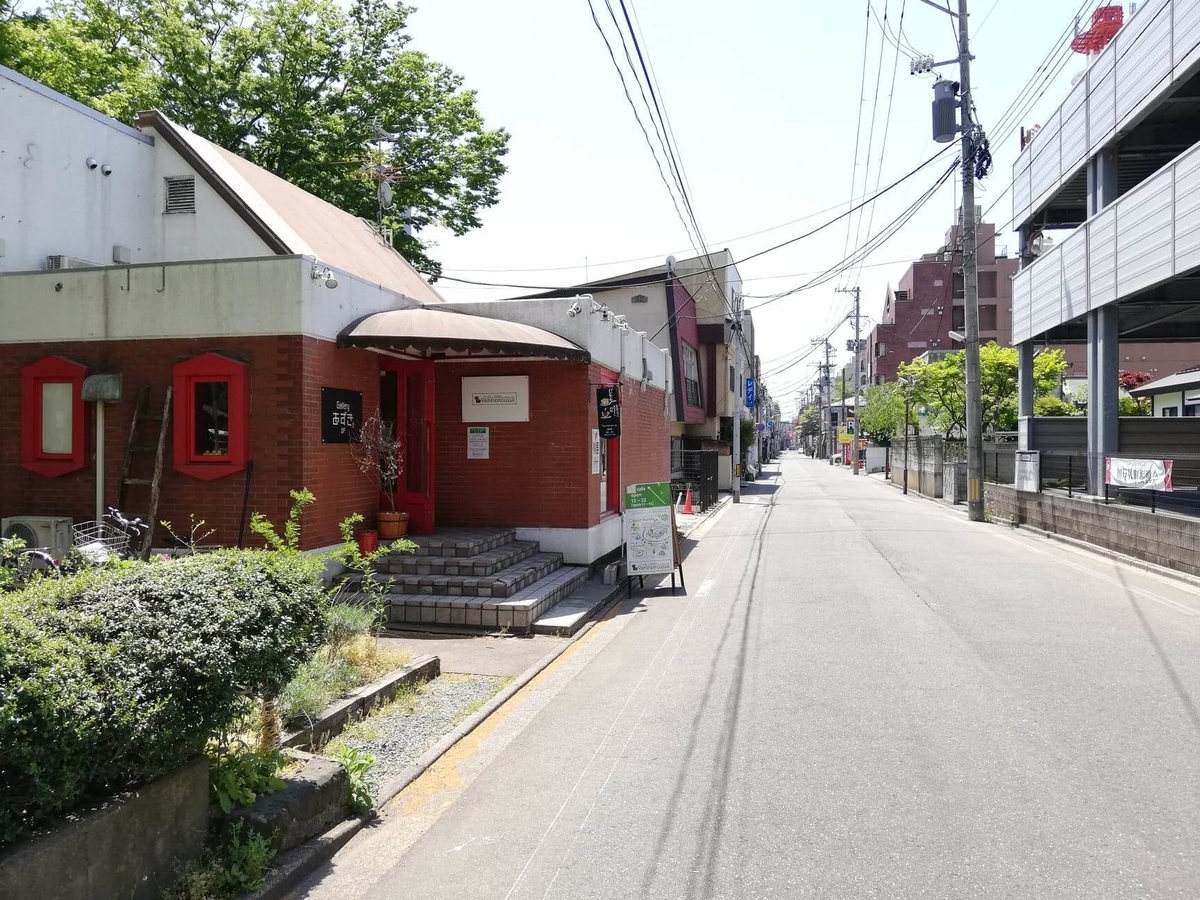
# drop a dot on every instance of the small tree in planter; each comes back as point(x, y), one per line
point(379, 455)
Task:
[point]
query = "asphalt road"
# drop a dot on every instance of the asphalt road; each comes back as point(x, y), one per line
point(862, 695)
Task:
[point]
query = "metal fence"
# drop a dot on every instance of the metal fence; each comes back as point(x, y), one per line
point(695, 469)
point(1067, 470)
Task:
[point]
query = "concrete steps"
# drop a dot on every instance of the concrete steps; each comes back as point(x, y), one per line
point(476, 578)
point(516, 612)
point(487, 563)
point(575, 610)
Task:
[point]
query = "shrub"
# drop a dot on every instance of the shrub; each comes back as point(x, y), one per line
point(318, 682)
point(113, 678)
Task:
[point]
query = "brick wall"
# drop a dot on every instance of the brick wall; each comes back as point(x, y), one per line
point(328, 470)
point(539, 474)
point(286, 376)
point(535, 474)
point(274, 371)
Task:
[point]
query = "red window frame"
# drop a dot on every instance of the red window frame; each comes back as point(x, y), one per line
point(211, 367)
point(52, 370)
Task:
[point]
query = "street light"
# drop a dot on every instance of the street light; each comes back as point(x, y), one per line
point(907, 382)
point(957, 336)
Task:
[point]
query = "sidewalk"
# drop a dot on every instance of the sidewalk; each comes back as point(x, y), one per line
point(688, 524)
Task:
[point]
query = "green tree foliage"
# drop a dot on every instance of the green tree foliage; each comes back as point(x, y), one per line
point(941, 386)
point(1053, 406)
point(300, 87)
point(882, 415)
point(809, 421)
point(1133, 406)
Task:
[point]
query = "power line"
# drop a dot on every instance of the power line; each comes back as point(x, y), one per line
point(560, 287)
point(637, 115)
point(858, 123)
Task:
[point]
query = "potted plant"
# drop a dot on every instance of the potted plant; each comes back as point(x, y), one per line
point(379, 455)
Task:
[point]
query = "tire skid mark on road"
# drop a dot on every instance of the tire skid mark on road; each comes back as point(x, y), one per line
point(694, 604)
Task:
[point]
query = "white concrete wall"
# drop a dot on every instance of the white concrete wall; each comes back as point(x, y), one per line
point(213, 231)
point(51, 203)
point(275, 295)
point(607, 344)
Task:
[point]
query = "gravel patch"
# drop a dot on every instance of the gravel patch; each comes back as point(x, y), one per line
point(398, 738)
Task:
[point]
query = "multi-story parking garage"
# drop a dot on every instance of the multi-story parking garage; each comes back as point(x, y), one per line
point(1118, 162)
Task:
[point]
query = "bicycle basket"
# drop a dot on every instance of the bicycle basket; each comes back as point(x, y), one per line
point(102, 537)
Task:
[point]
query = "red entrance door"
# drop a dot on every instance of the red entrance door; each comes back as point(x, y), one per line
point(406, 402)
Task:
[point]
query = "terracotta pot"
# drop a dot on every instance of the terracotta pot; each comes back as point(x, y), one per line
point(368, 541)
point(392, 525)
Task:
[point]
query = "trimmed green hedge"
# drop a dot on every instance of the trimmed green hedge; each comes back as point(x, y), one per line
point(110, 679)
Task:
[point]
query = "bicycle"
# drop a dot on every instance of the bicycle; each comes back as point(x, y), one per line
point(114, 536)
point(31, 563)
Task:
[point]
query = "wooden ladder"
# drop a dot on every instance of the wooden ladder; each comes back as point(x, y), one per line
point(134, 448)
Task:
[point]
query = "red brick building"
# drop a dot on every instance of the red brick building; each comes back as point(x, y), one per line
point(279, 322)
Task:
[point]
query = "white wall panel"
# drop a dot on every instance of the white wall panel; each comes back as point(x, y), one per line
point(1102, 258)
point(1022, 190)
point(1187, 210)
point(1047, 166)
point(1185, 33)
point(1022, 284)
point(1074, 273)
point(1101, 100)
point(1144, 226)
point(1045, 308)
point(1074, 141)
point(1145, 61)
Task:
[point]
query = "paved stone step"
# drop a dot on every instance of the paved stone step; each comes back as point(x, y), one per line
point(575, 610)
point(504, 583)
point(487, 563)
point(461, 541)
point(515, 613)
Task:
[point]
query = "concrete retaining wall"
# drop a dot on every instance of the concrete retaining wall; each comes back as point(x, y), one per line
point(132, 848)
point(1164, 539)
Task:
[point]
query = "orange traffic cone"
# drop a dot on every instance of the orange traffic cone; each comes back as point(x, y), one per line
point(687, 503)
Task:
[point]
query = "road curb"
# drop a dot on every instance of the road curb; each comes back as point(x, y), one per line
point(296, 865)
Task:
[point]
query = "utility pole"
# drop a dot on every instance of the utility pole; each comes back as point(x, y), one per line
point(854, 446)
point(736, 481)
point(944, 128)
point(970, 279)
point(828, 384)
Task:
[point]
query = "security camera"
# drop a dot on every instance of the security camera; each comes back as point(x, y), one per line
point(605, 314)
point(91, 162)
point(106, 170)
point(574, 309)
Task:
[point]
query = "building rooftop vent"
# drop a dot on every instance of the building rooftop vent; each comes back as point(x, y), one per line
point(181, 194)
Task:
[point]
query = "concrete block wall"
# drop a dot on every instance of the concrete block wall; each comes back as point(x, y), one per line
point(1161, 538)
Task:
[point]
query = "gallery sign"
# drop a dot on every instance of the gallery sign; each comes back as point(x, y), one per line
point(1142, 474)
point(341, 416)
point(501, 398)
point(608, 404)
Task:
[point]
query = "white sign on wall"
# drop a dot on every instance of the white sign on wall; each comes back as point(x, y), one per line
point(1028, 474)
point(478, 443)
point(595, 451)
point(499, 398)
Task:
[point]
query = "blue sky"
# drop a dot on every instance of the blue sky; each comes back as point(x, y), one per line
point(763, 99)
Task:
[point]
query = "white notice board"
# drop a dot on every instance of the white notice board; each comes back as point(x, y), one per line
point(1028, 473)
point(595, 451)
point(478, 442)
point(500, 398)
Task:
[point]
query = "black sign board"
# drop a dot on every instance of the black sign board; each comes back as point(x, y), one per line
point(341, 416)
point(608, 401)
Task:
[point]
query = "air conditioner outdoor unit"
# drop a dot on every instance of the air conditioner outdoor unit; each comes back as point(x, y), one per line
point(49, 533)
point(53, 263)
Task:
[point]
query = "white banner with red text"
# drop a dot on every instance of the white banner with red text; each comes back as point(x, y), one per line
point(1144, 474)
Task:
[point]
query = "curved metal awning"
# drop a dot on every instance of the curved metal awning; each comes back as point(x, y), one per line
point(424, 331)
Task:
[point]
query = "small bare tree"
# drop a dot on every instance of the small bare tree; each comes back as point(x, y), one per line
point(379, 455)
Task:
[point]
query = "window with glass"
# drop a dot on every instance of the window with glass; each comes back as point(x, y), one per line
point(212, 412)
point(691, 375)
point(53, 432)
point(987, 317)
